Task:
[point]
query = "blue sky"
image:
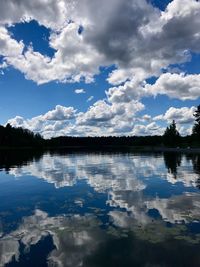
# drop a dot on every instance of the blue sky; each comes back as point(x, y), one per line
point(117, 68)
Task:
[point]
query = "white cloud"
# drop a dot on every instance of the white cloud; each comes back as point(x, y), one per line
point(60, 113)
point(111, 118)
point(127, 92)
point(182, 115)
point(133, 36)
point(104, 118)
point(8, 46)
point(52, 123)
point(149, 129)
point(90, 98)
point(70, 63)
point(79, 91)
point(175, 85)
point(47, 12)
point(136, 38)
point(98, 113)
point(146, 117)
point(118, 76)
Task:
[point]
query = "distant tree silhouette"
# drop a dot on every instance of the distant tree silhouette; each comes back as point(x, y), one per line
point(104, 141)
point(171, 135)
point(196, 128)
point(19, 137)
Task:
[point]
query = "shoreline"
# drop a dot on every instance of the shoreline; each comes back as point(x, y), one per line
point(106, 148)
point(171, 149)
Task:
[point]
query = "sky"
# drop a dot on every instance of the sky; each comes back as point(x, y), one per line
point(99, 68)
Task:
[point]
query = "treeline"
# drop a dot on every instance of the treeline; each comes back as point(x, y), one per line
point(104, 141)
point(170, 138)
point(19, 137)
point(173, 138)
point(150, 141)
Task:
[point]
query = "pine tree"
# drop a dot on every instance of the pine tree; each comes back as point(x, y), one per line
point(171, 135)
point(196, 128)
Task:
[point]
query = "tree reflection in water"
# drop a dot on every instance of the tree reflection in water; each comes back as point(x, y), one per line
point(100, 209)
point(172, 162)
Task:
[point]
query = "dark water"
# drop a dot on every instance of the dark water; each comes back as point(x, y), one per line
point(94, 209)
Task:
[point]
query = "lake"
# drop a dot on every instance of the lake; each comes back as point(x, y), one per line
point(99, 209)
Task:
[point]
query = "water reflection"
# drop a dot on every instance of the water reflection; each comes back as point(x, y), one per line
point(101, 210)
point(17, 158)
point(101, 171)
point(76, 235)
point(172, 162)
point(109, 171)
point(80, 241)
point(196, 165)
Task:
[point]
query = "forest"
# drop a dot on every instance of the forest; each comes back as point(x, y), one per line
point(11, 137)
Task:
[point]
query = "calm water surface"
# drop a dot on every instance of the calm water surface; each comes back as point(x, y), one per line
point(95, 209)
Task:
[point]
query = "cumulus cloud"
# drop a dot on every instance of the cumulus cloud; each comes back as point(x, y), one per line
point(181, 86)
point(8, 46)
point(139, 40)
point(102, 118)
point(99, 112)
point(47, 12)
point(149, 129)
point(180, 115)
point(49, 124)
point(134, 36)
point(146, 117)
point(60, 113)
point(130, 90)
point(112, 118)
point(183, 117)
point(70, 63)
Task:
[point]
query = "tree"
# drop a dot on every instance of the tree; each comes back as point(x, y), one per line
point(171, 135)
point(19, 137)
point(196, 127)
